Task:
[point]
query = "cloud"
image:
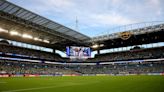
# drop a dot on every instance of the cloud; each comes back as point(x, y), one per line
point(96, 16)
point(111, 19)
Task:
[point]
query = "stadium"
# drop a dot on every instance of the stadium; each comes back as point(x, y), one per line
point(38, 54)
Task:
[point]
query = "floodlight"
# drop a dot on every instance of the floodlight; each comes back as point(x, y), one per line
point(14, 33)
point(37, 39)
point(95, 46)
point(101, 45)
point(3, 30)
point(46, 41)
point(27, 36)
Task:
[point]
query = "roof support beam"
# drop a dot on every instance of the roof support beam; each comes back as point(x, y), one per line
point(5, 6)
point(38, 27)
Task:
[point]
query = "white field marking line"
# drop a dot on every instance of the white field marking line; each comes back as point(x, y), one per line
point(28, 89)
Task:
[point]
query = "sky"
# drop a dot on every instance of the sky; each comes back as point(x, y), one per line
point(96, 16)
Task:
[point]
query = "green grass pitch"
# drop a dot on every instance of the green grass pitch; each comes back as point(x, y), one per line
point(84, 84)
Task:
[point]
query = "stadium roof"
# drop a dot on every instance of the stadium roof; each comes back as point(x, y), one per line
point(13, 16)
point(134, 36)
point(13, 9)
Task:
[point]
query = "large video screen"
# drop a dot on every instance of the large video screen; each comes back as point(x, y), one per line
point(78, 52)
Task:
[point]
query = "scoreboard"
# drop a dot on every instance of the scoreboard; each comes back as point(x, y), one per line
point(78, 52)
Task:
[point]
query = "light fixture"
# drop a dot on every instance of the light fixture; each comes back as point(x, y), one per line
point(27, 36)
point(101, 45)
point(46, 41)
point(95, 46)
point(37, 39)
point(3, 30)
point(14, 33)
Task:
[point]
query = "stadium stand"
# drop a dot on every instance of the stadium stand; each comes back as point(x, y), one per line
point(5, 48)
point(128, 58)
point(153, 53)
point(21, 25)
point(18, 68)
point(146, 53)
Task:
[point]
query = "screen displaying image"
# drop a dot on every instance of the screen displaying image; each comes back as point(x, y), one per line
point(79, 52)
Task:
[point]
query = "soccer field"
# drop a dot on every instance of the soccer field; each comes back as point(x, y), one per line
point(84, 84)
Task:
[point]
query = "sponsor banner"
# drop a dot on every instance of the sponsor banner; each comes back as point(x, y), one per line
point(45, 75)
point(154, 74)
point(102, 74)
point(89, 75)
point(66, 75)
point(21, 75)
point(162, 74)
point(31, 75)
point(70, 75)
point(4, 75)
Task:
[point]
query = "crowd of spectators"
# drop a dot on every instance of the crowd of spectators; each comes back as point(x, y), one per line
point(123, 69)
point(29, 52)
point(132, 54)
point(114, 56)
point(17, 67)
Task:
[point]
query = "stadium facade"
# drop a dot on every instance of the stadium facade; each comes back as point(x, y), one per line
point(35, 33)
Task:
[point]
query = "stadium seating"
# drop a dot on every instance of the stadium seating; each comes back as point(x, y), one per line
point(130, 55)
point(29, 52)
point(17, 67)
point(116, 56)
